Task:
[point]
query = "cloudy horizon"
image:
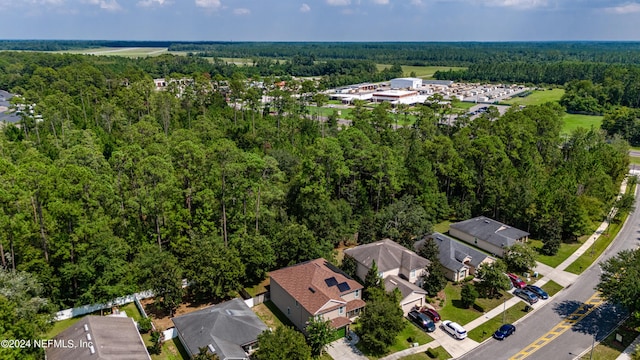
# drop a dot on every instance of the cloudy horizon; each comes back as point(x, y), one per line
point(321, 20)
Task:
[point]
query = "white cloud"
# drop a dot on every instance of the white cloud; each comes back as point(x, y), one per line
point(520, 4)
point(209, 4)
point(14, 3)
point(305, 8)
point(149, 3)
point(241, 11)
point(627, 8)
point(417, 2)
point(381, 2)
point(338, 2)
point(109, 5)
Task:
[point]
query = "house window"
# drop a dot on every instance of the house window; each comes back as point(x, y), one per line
point(357, 293)
point(413, 273)
point(341, 311)
point(380, 274)
point(288, 311)
point(296, 303)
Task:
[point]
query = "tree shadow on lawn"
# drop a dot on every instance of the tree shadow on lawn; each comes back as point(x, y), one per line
point(598, 323)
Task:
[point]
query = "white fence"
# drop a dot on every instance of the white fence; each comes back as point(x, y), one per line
point(87, 309)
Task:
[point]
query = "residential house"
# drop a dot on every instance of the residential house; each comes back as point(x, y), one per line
point(99, 338)
point(412, 295)
point(316, 288)
point(488, 234)
point(229, 330)
point(458, 259)
point(392, 259)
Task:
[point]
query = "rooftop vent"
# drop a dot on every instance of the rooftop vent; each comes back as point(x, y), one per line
point(312, 289)
point(211, 348)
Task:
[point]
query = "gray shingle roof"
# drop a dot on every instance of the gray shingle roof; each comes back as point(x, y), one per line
point(406, 288)
point(453, 252)
point(227, 327)
point(489, 230)
point(388, 255)
point(112, 337)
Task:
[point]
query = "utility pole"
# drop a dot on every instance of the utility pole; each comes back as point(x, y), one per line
point(504, 310)
point(593, 341)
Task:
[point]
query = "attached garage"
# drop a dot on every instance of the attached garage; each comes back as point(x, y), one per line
point(412, 295)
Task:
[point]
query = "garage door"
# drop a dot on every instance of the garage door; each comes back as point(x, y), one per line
point(406, 307)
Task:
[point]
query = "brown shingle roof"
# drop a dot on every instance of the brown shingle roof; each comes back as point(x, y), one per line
point(339, 322)
point(309, 283)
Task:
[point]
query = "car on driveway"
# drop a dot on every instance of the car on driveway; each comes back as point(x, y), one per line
point(526, 295)
point(516, 281)
point(454, 329)
point(422, 320)
point(432, 314)
point(504, 331)
point(538, 291)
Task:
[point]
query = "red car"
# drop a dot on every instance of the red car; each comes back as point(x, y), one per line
point(516, 281)
point(432, 314)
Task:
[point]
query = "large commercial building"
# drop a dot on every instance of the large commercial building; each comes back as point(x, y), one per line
point(406, 83)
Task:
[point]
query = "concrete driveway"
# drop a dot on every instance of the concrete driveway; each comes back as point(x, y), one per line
point(345, 349)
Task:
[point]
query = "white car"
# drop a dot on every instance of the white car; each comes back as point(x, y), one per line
point(455, 329)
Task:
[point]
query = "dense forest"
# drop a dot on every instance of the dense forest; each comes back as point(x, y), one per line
point(120, 183)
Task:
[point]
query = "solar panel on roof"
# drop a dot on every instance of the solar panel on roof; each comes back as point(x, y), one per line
point(343, 287)
point(331, 281)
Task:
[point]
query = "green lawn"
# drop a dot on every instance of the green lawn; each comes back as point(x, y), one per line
point(271, 315)
point(574, 121)
point(132, 311)
point(537, 97)
point(421, 71)
point(453, 310)
point(410, 332)
point(585, 260)
point(442, 227)
point(487, 329)
point(609, 348)
point(634, 160)
point(463, 105)
point(171, 349)
point(552, 287)
point(563, 253)
point(440, 353)
point(60, 326)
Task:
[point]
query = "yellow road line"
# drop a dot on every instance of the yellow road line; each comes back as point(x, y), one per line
point(584, 310)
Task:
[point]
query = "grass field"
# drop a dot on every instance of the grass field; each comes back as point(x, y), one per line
point(537, 97)
point(609, 348)
point(574, 121)
point(421, 71)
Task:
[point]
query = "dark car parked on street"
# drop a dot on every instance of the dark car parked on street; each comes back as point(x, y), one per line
point(526, 295)
point(538, 291)
point(432, 314)
point(504, 331)
point(422, 320)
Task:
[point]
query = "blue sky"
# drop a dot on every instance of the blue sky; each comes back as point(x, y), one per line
point(321, 20)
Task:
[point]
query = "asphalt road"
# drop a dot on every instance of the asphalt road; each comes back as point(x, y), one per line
point(579, 337)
